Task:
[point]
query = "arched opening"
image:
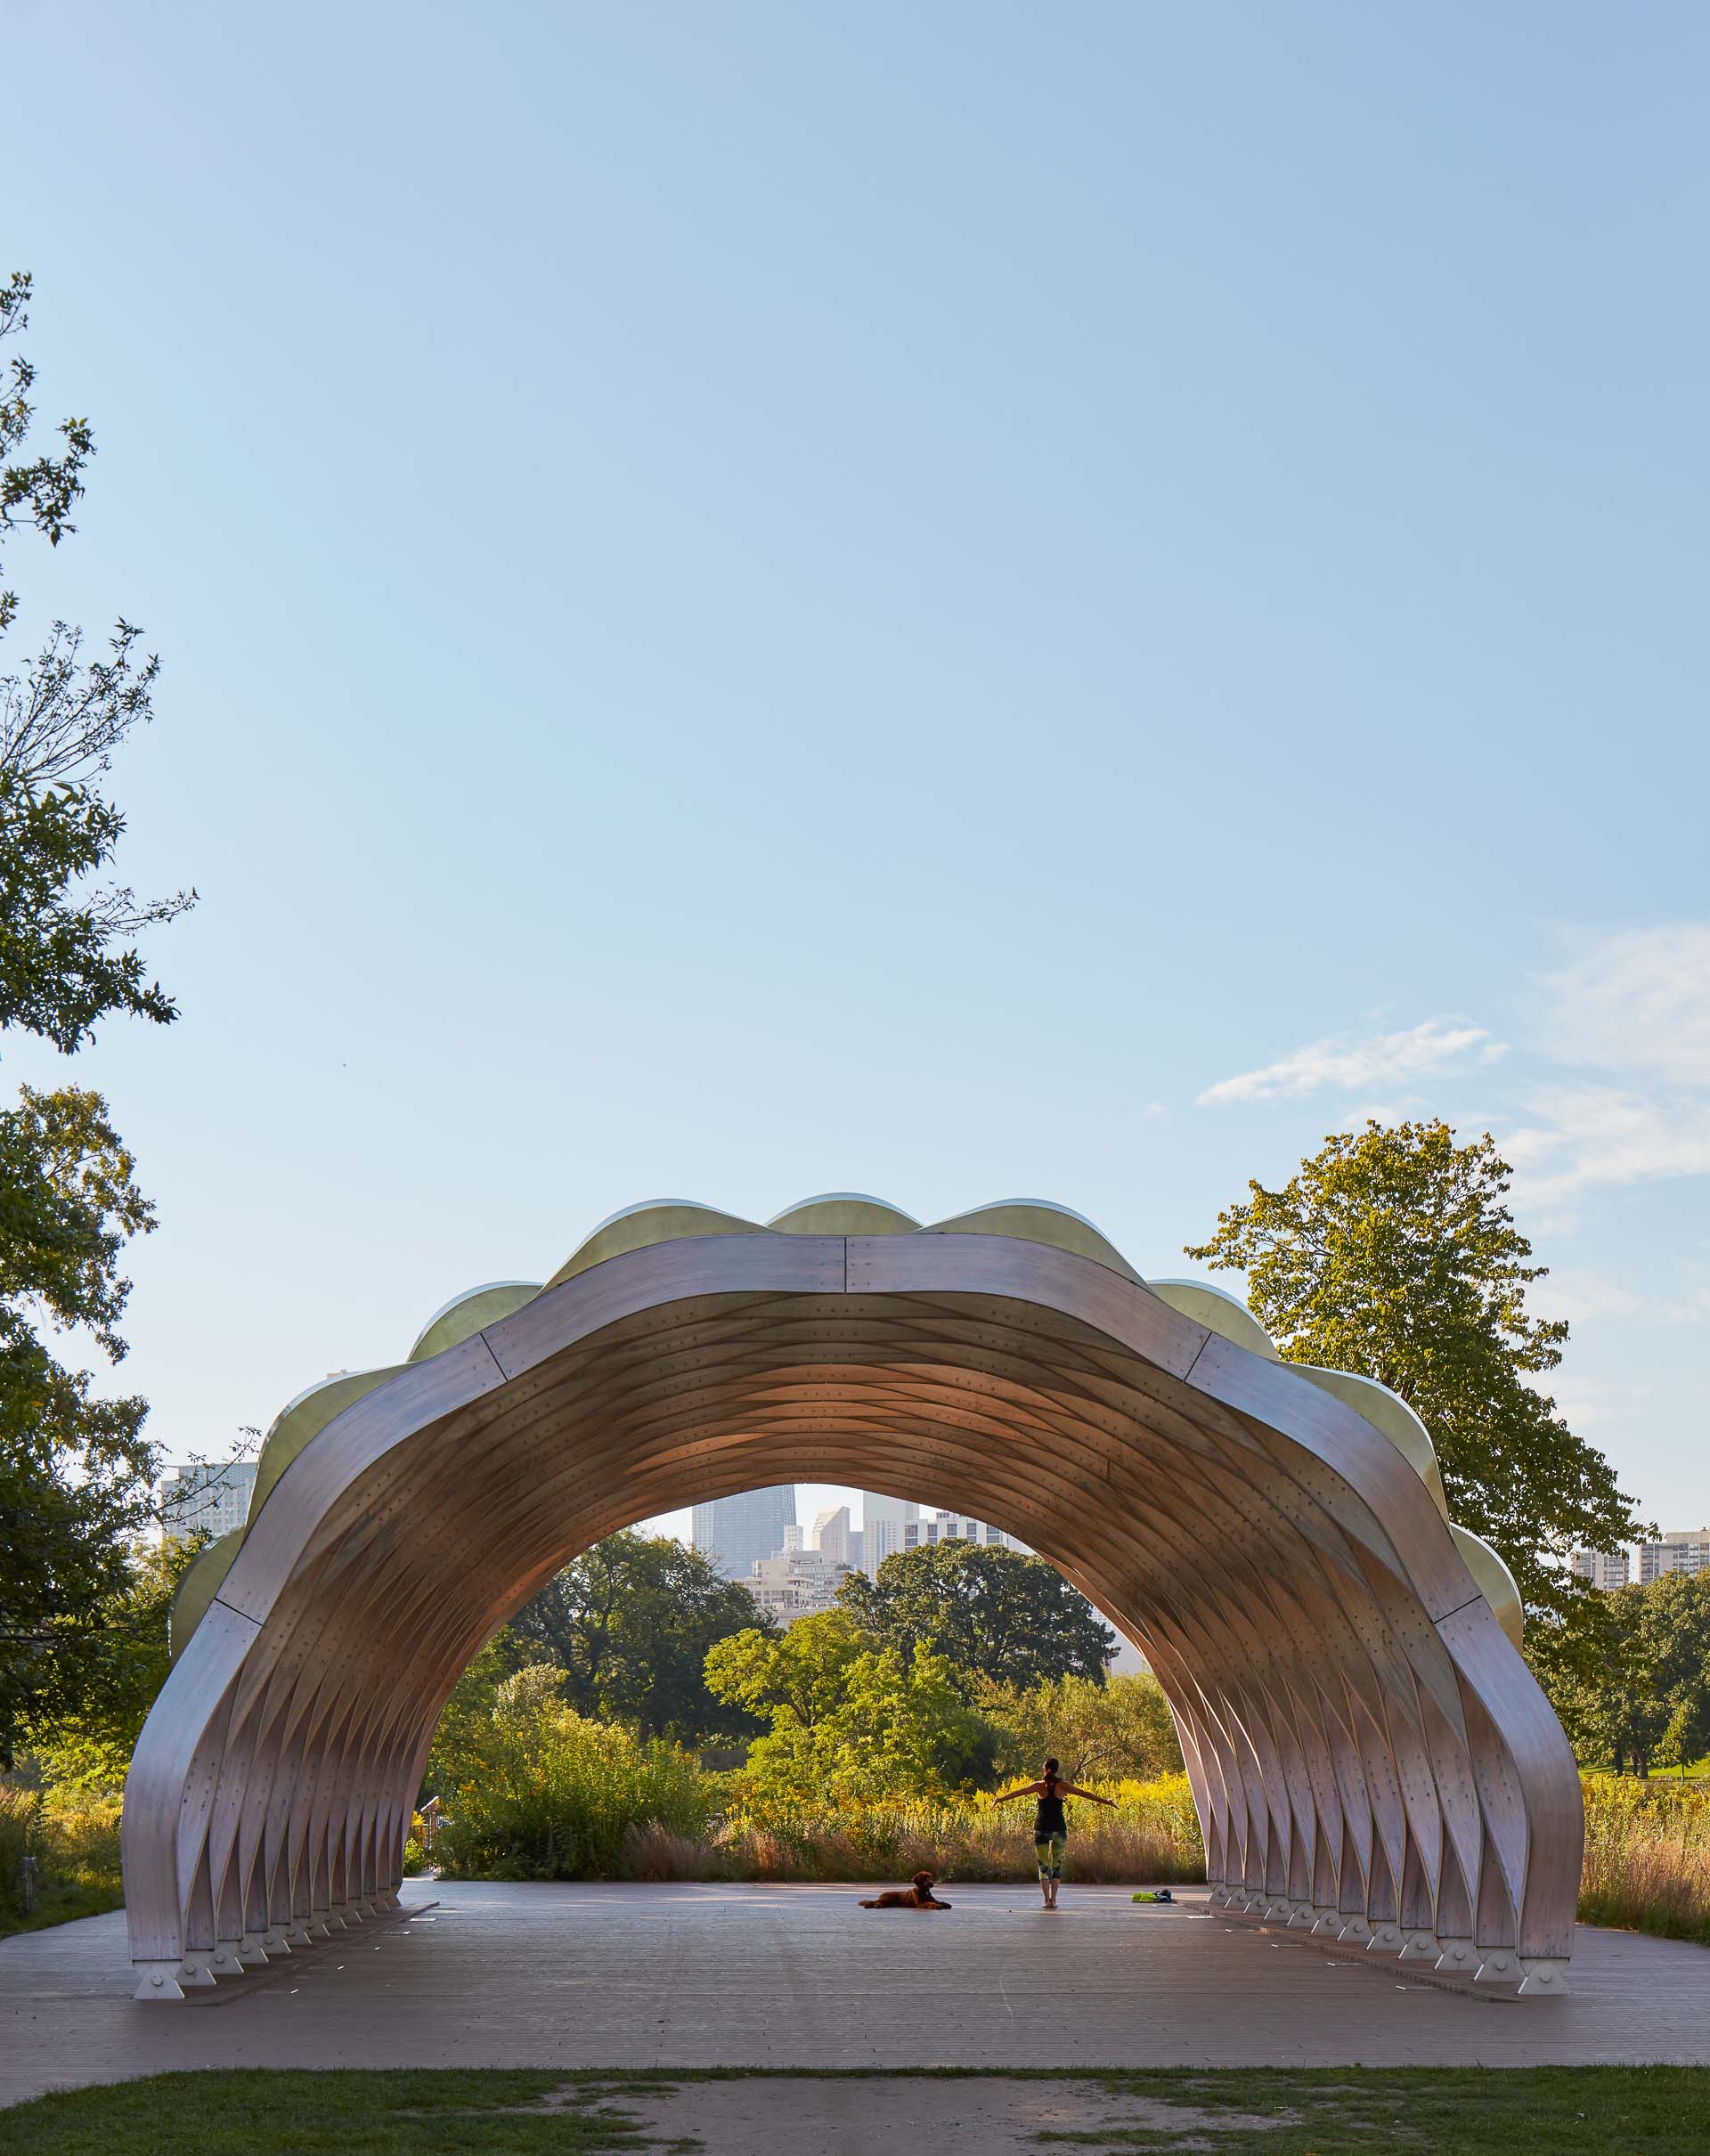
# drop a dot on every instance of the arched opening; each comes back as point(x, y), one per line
point(1368, 1753)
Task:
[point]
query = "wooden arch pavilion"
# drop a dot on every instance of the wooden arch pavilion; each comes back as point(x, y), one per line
point(1369, 1754)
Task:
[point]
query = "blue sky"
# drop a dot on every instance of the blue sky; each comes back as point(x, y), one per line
point(961, 602)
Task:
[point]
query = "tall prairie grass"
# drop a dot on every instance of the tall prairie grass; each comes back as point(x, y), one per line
point(1152, 1836)
point(1647, 1856)
point(59, 1856)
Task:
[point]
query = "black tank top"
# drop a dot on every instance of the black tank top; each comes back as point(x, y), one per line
point(1048, 1818)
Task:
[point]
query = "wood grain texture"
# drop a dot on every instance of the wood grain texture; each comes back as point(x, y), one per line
point(1368, 1753)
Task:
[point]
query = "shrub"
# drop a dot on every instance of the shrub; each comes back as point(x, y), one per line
point(537, 1791)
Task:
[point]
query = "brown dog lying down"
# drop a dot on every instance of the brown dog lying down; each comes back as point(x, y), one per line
point(919, 1896)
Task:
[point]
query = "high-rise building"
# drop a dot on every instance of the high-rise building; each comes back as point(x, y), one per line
point(831, 1533)
point(209, 1500)
point(1685, 1549)
point(1602, 1569)
point(735, 1531)
point(883, 1520)
point(953, 1527)
point(795, 1583)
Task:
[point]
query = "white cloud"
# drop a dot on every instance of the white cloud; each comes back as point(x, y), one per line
point(1617, 1092)
point(1635, 1000)
point(1580, 1295)
point(1588, 1137)
point(1634, 1003)
point(1380, 1059)
point(1691, 1309)
point(1154, 1108)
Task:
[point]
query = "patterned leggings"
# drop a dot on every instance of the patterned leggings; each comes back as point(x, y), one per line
point(1049, 1853)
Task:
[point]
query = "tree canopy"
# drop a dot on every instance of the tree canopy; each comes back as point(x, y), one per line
point(82, 1735)
point(36, 493)
point(1121, 1729)
point(75, 1469)
point(1641, 1697)
point(851, 1722)
point(1392, 1253)
point(997, 1617)
point(629, 1623)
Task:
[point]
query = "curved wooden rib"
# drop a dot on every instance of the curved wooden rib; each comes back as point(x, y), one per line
point(1369, 1755)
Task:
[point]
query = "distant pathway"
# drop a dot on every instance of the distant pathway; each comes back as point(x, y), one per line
point(798, 1976)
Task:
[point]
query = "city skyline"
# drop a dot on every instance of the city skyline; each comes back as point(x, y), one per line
point(737, 1530)
point(812, 1499)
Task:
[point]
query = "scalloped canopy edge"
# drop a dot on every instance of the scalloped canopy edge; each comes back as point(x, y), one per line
point(833, 1213)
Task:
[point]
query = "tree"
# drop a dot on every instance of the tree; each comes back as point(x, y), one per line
point(1575, 1654)
point(1393, 1254)
point(464, 1718)
point(1000, 1620)
point(629, 1623)
point(84, 1741)
point(1118, 1731)
point(66, 957)
point(1674, 1634)
point(1679, 1742)
point(1631, 1708)
point(851, 1723)
point(1644, 1699)
point(40, 493)
point(75, 1470)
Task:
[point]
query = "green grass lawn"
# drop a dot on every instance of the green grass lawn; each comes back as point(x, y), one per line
point(262, 2110)
point(1603, 1770)
point(1454, 2110)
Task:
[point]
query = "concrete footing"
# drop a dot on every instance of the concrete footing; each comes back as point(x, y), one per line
point(158, 1980)
point(202, 1968)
